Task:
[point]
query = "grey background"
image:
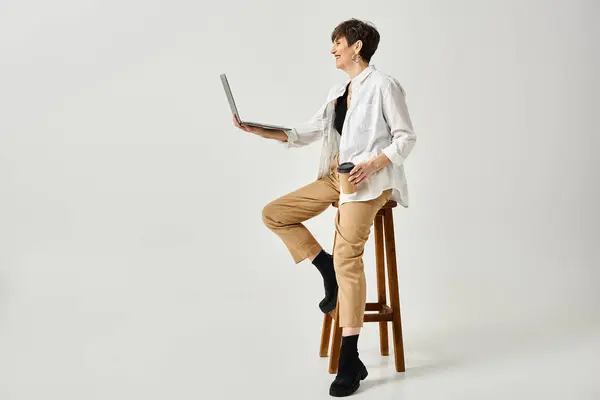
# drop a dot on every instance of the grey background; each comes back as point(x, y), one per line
point(134, 262)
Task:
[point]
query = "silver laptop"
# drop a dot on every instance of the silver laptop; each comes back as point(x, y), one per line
point(235, 112)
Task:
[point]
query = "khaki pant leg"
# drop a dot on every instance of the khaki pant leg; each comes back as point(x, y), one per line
point(284, 216)
point(353, 227)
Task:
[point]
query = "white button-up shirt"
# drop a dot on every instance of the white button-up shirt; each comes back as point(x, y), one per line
point(376, 122)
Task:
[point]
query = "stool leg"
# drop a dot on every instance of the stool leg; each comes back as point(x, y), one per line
point(325, 335)
point(390, 250)
point(336, 343)
point(381, 298)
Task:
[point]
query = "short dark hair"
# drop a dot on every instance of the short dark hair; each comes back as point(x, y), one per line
point(354, 30)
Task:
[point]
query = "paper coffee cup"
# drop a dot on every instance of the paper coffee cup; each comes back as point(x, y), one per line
point(344, 173)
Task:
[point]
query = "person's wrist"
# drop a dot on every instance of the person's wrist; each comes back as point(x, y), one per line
point(380, 162)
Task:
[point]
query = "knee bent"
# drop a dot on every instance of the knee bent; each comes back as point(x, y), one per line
point(268, 214)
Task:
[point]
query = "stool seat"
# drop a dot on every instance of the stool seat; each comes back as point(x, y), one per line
point(380, 311)
point(389, 204)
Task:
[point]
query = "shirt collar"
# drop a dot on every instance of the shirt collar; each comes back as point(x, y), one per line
point(360, 78)
point(356, 82)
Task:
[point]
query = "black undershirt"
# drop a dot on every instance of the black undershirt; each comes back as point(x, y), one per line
point(341, 106)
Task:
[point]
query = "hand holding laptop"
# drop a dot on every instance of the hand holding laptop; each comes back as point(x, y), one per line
point(262, 132)
point(266, 131)
point(236, 113)
point(246, 128)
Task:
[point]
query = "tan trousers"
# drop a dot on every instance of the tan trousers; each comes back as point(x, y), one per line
point(353, 222)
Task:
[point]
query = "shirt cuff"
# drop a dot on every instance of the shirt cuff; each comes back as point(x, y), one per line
point(392, 153)
point(292, 137)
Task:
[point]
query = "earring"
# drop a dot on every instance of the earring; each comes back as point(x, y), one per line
point(357, 59)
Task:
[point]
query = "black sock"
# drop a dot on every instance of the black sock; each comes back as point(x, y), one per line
point(348, 362)
point(324, 263)
point(350, 345)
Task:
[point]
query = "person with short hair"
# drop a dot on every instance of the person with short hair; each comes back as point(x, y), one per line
point(365, 123)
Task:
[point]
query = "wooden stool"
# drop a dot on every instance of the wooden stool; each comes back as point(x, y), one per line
point(379, 311)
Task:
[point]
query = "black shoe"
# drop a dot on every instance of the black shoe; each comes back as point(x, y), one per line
point(348, 381)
